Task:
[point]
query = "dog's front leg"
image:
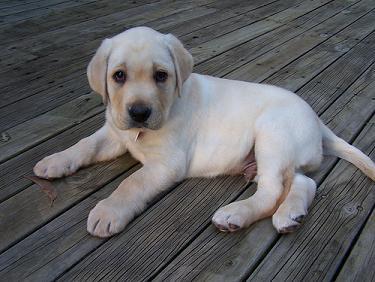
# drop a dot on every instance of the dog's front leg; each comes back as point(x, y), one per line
point(112, 214)
point(100, 146)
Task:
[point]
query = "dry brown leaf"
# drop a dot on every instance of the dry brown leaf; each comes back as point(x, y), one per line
point(46, 187)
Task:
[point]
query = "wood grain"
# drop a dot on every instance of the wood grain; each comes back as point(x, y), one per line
point(60, 242)
point(341, 32)
point(240, 54)
point(30, 209)
point(36, 130)
point(359, 265)
point(50, 87)
point(12, 171)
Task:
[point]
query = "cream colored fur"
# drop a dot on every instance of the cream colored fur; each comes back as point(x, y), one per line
point(199, 126)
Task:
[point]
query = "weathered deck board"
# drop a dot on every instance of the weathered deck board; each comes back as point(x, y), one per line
point(34, 131)
point(59, 19)
point(206, 195)
point(9, 145)
point(78, 39)
point(323, 49)
point(293, 29)
point(52, 92)
point(93, 26)
point(41, 11)
point(22, 164)
point(14, 3)
point(79, 46)
point(357, 267)
point(243, 18)
point(56, 242)
point(335, 37)
point(95, 29)
point(138, 257)
point(30, 7)
point(223, 43)
point(352, 65)
point(30, 209)
point(297, 72)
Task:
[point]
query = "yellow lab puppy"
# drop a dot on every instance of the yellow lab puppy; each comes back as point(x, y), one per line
point(180, 124)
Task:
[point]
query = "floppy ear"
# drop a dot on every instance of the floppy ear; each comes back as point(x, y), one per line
point(182, 59)
point(97, 69)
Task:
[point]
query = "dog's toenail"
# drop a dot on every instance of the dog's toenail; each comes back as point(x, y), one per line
point(299, 218)
point(221, 227)
point(96, 224)
point(233, 226)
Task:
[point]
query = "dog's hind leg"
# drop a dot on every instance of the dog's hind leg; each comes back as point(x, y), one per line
point(275, 172)
point(292, 211)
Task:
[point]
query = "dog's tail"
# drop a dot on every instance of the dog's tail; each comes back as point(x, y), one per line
point(335, 146)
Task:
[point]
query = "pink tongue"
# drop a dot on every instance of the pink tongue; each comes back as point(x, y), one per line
point(250, 166)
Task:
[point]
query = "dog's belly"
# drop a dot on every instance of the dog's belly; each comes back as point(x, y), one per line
point(218, 156)
point(246, 166)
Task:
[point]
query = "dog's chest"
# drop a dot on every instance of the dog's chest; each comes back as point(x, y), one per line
point(143, 146)
point(136, 151)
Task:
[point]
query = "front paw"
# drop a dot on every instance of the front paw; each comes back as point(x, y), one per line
point(54, 166)
point(108, 218)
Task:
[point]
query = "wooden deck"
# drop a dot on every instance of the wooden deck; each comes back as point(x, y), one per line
point(322, 49)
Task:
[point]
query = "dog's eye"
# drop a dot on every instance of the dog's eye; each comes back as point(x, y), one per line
point(160, 76)
point(119, 76)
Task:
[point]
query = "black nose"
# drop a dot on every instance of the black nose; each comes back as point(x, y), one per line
point(139, 112)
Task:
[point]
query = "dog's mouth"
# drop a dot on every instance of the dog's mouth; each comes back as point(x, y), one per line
point(142, 126)
point(127, 123)
point(134, 124)
point(152, 124)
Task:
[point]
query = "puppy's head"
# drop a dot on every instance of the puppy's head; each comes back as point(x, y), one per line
point(139, 73)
